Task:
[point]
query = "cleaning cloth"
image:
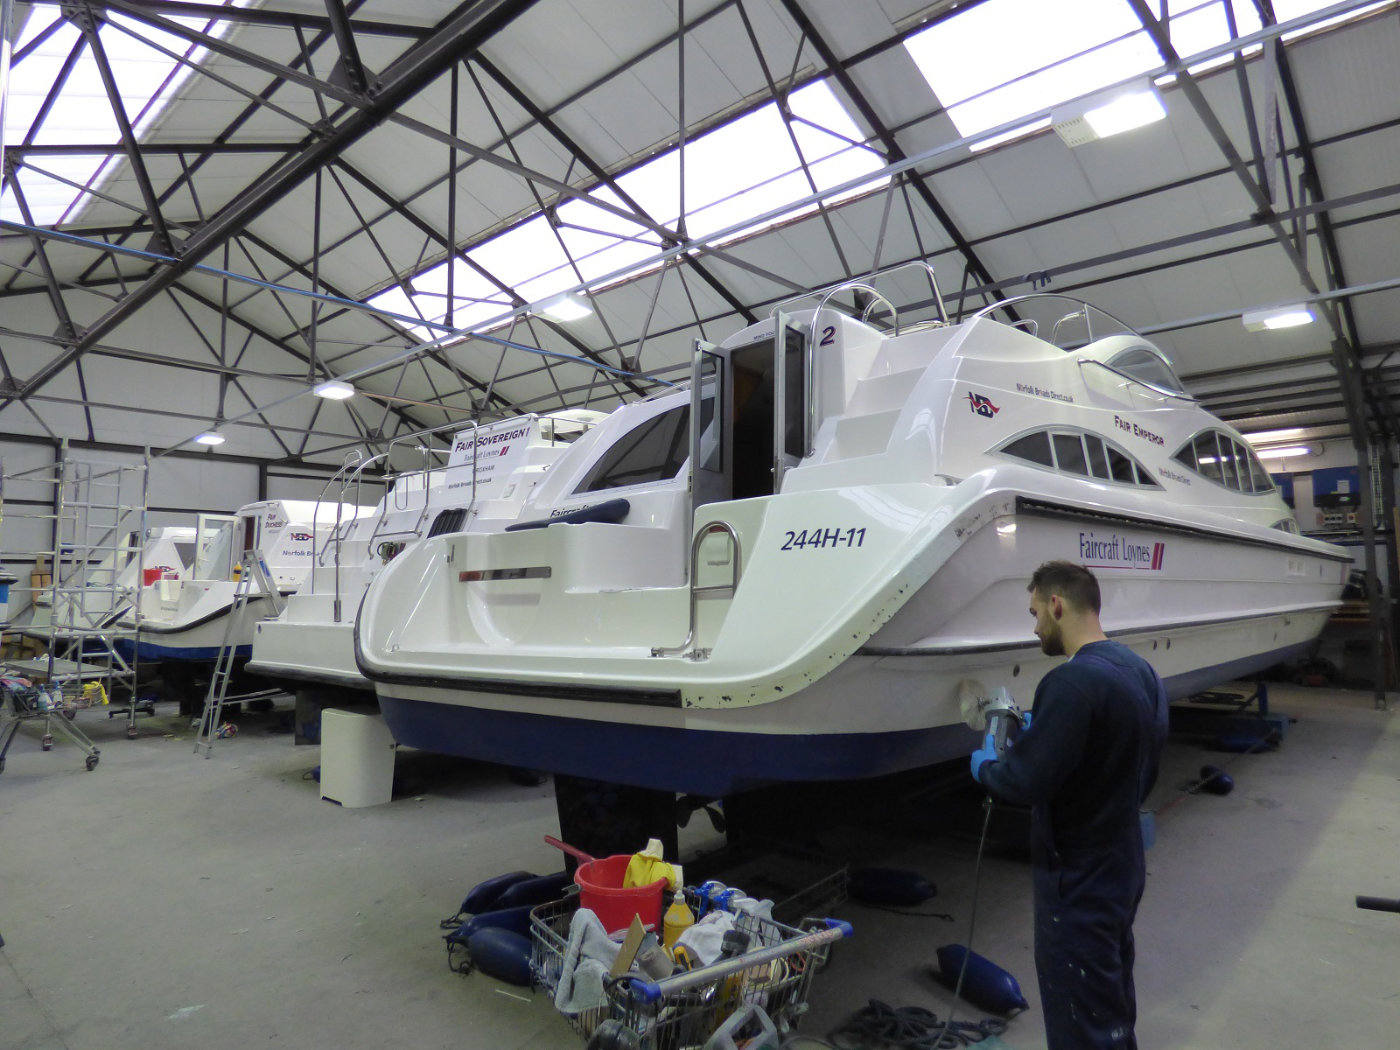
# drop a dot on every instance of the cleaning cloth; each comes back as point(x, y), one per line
point(704, 939)
point(587, 959)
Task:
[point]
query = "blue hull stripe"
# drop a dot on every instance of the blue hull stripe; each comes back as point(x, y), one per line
point(708, 762)
point(151, 651)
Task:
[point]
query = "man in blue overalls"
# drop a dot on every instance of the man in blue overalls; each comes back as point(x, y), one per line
point(1084, 763)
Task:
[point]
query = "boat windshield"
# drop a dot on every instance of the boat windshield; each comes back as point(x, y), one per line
point(1060, 320)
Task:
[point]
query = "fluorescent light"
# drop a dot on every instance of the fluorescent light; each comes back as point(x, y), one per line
point(1101, 116)
point(1126, 112)
point(211, 437)
point(566, 308)
point(1266, 436)
point(1286, 452)
point(334, 389)
point(1278, 317)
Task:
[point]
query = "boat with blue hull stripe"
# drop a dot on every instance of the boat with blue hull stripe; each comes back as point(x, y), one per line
point(711, 763)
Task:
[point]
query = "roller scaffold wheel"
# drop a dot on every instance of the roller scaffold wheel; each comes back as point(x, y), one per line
point(91, 762)
point(132, 733)
point(47, 742)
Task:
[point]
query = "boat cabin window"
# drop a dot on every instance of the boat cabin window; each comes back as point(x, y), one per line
point(1077, 452)
point(1069, 453)
point(1218, 457)
point(1034, 448)
point(651, 451)
point(1149, 366)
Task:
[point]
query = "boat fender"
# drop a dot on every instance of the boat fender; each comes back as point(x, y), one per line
point(535, 890)
point(893, 886)
point(517, 920)
point(483, 896)
point(985, 985)
point(502, 954)
point(1215, 781)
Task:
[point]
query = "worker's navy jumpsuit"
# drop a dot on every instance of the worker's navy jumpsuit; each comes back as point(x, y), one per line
point(1085, 765)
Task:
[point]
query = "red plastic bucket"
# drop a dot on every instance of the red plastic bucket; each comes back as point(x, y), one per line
point(601, 891)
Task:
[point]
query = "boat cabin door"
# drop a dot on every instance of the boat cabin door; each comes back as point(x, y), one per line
point(749, 415)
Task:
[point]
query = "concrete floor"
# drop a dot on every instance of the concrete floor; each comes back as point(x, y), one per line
point(165, 900)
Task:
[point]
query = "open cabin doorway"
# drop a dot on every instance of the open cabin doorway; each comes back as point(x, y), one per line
point(750, 420)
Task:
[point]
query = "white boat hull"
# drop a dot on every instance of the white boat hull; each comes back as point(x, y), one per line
point(876, 692)
point(307, 644)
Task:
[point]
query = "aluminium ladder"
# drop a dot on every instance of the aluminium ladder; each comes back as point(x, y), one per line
point(254, 571)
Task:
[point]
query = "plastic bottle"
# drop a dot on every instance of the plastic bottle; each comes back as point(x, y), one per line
point(731, 995)
point(677, 920)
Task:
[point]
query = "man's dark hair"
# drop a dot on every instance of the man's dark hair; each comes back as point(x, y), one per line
point(1074, 583)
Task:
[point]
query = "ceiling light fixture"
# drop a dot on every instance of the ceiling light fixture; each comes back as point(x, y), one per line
point(1286, 452)
point(1264, 437)
point(334, 390)
point(1110, 113)
point(565, 308)
point(1278, 317)
point(212, 437)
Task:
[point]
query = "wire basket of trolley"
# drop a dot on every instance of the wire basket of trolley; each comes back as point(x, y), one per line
point(732, 977)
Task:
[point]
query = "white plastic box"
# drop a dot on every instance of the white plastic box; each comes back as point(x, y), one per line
point(357, 758)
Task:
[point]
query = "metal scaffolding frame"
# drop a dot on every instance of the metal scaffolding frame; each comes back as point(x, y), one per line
point(96, 566)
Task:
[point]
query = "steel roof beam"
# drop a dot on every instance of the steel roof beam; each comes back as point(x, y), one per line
point(428, 230)
point(83, 19)
point(458, 35)
point(542, 117)
point(350, 66)
point(153, 149)
point(258, 16)
point(892, 148)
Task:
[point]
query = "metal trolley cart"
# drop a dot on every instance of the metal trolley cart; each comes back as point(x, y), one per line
point(56, 707)
point(684, 1010)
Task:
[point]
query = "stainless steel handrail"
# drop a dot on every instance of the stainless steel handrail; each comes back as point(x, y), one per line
point(708, 529)
point(829, 290)
point(1033, 296)
point(352, 458)
point(810, 385)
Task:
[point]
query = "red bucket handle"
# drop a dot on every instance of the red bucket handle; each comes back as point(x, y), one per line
point(572, 851)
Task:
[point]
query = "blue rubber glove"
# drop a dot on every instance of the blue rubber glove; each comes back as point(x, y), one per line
point(984, 754)
point(1025, 720)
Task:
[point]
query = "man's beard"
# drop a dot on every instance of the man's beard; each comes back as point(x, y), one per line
point(1052, 643)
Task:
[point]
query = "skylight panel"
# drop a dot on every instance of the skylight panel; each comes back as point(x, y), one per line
point(474, 299)
point(1004, 59)
point(146, 80)
point(743, 169)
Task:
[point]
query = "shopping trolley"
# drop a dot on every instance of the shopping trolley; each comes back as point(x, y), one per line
point(774, 974)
